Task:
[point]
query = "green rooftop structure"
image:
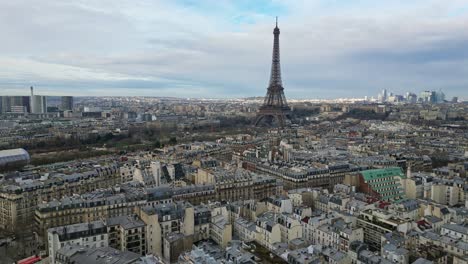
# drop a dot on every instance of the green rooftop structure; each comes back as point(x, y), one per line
point(383, 183)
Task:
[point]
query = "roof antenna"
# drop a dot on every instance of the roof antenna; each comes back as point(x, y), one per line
point(276, 21)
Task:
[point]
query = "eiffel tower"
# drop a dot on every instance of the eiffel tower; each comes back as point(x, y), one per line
point(275, 110)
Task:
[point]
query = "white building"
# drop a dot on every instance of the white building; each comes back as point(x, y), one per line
point(244, 229)
point(91, 235)
point(38, 104)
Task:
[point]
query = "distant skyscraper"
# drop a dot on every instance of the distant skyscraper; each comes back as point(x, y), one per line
point(439, 97)
point(31, 99)
point(6, 104)
point(67, 103)
point(432, 97)
point(20, 104)
point(275, 107)
point(23, 101)
point(26, 102)
point(38, 103)
point(411, 98)
point(426, 96)
point(384, 95)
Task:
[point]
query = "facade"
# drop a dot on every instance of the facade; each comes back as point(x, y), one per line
point(5, 105)
point(220, 230)
point(244, 229)
point(126, 172)
point(238, 184)
point(310, 226)
point(90, 235)
point(202, 221)
point(277, 228)
point(337, 235)
point(66, 103)
point(89, 207)
point(460, 231)
point(445, 194)
point(127, 233)
point(19, 200)
point(268, 231)
point(294, 178)
point(395, 254)
point(18, 109)
point(376, 222)
point(383, 183)
point(108, 203)
point(14, 104)
point(39, 104)
point(150, 175)
point(165, 219)
point(278, 204)
point(176, 244)
point(456, 247)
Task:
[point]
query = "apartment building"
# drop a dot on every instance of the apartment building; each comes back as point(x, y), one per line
point(19, 200)
point(376, 223)
point(127, 233)
point(72, 254)
point(86, 208)
point(337, 235)
point(244, 230)
point(294, 177)
point(92, 235)
point(164, 219)
point(202, 220)
point(268, 231)
point(278, 204)
point(220, 230)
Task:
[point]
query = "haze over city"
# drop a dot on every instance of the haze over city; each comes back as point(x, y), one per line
point(221, 49)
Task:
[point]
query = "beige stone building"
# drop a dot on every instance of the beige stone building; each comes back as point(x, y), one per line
point(165, 219)
point(127, 233)
point(93, 206)
point(220, 230)
point(18, 201)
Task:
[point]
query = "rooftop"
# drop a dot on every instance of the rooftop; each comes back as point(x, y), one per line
point(81, 228)
point(103, 255)
point(126, 222)
point(382, 173)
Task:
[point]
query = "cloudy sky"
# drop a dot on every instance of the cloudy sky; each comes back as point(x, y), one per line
point(221, 48)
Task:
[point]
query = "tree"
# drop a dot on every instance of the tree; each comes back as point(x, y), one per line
point(173, 140)
point(157, 143)
point(108, 136)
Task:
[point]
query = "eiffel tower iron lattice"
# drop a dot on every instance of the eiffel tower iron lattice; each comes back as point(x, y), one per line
point(274, 108)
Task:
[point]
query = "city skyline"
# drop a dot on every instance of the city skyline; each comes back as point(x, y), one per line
point(331, 50)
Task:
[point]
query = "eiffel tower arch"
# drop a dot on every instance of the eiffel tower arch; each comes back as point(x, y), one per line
point(275, 110)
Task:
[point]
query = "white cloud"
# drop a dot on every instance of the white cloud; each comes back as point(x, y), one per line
point(329, 48)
